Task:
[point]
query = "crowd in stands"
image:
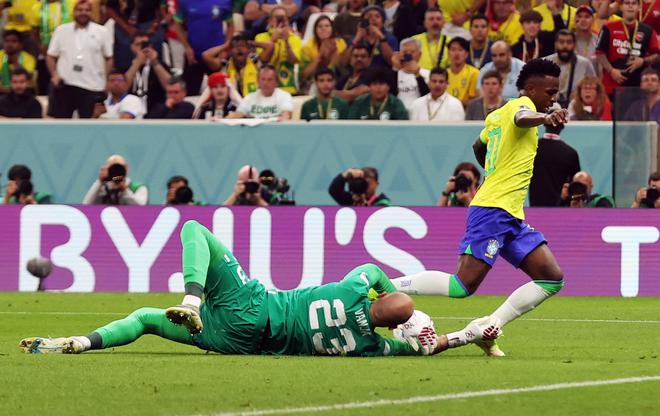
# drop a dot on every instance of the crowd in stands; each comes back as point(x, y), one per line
point(425, 60)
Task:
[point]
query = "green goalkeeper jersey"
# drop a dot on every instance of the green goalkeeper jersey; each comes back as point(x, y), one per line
point(332, 319)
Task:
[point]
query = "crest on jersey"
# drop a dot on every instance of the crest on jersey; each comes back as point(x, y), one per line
point(491, 249)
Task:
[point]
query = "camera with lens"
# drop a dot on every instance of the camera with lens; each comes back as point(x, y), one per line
point(24, 188)
point(278, 188)
point(116, 176)
point(364, 23)
point(577, 191)
point(251, 186)
point(116, 173)
point(407, 57)
point(652, 194)
point(183, 196)
point(357, 186)
point(462, 183)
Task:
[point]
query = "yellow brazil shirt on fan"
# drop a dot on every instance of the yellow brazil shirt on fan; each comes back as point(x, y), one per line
point(49, 15)
point(509, 30)
point(25, 60)
point(310, 51)
point(285, 70)
point(431, 51)
point(463, 85)
point(450, 7)
point(548, 23)
point(509, 159)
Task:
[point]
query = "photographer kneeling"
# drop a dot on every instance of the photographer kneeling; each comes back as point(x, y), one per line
point(461, 186)
point(362, 186)
point(647, 197)
point(248, 189)
point(114, 187)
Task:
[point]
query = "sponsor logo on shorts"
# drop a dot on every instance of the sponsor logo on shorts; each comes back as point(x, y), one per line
point(491, 249)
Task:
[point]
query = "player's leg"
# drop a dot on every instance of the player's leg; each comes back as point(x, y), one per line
point(121, 332)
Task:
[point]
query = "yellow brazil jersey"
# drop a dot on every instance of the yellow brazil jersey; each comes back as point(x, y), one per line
point(548, 23)
point(509, 30)
point(310, 51)
point(509, 159)
point(51, 16)
point(463, 85)
point(285, 70)
point(21, 15)
point(431, 51)
point(449, 7)
point(25, 60)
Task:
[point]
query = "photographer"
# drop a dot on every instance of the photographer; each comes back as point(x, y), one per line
point(20, 190)
point(179, 193)
point(648, 197)
point(248, 189)
point(362, 187)
point(114, 187)
point(577, 194)
point(276, 189)
point(461, 186)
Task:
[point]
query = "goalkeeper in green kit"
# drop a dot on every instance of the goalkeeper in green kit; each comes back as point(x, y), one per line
point(238, 315)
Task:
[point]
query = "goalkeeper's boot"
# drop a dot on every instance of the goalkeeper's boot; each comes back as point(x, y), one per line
point(39, 345)
point(186, 315)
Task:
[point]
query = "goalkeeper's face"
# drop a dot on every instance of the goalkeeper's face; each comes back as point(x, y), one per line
point(391, 309)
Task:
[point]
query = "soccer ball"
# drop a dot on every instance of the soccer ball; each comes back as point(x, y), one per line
point(418, 331)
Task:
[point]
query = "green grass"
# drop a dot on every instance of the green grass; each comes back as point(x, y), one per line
point(158, 377)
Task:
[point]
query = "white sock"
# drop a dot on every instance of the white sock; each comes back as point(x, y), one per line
point(458, 338)
point(521, 301)
point(428, 282)
point(192, 300)
point(86, 343)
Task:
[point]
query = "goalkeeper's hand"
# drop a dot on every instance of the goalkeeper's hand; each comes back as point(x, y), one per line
point(419, 333)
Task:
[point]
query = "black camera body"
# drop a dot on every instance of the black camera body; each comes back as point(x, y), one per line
point(25, 188)
point(183, 196)
point(578, 190)
point(357, 186)
point(652, 194)
point(116, 173)
point(407, 57)
point(462, 183)
point(251, 186)
point(277, 187)
point(364, 23)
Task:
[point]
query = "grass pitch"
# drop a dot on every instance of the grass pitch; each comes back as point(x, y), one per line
point(565, 340)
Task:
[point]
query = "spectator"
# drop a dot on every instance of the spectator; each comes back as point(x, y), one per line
point(573, 66)
point(147, 76)
point(347, 23)
point(462, 77)
point(242, 64)
point(115, 187)
point(325, 106)
point(649, 12)
point(378, 104)
point(648, 197)
point(508, 67)
point(391, 9)
point(20, 102)
point(50, 14)
point(585, 39)
point(219, 104)
point(621, 63)
point(285, 53)
point(13, 56)
point(203, 19)
point(590, 101)
point(490, 99)
point(321, 50)
point(550, 8)
point(479, 44)
point(79, 59)
point(647, 108)
point(412, 79)
point(362, 188)
point(19, 188)
point(381, 43)
point(354, 84)
point(535, 43)
point(504, 21)
point(119, 104)
point(131, 17)
point(248, 190)
point(268, 101)
point(21, 17)
point(578, 193)
point(461, 187)
point(456, 14)
point(555, 163)
point(257, 12)
point(175, 106)
point(434, 43)
point(179, 193)
point(438, 104)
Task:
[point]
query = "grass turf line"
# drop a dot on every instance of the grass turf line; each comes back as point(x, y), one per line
point(157, 377)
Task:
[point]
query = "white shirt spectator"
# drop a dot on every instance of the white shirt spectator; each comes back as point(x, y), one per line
point(255, 105)
point(81, 54)
point(509, 84)
point(445, 108)
point(408, 88)
point(128, 104)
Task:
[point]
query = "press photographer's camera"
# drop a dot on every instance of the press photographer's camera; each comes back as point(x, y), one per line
point(577, 192)
point(462, 183)
point(115, 177)
point(652, 194)
point(279, 188)
point(116, 173)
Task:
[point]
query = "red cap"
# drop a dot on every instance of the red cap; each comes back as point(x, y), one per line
point(217, 78)
point(585, 8)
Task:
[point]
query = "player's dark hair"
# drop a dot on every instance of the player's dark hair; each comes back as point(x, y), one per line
point(478, 16)
point(650, 70)
point(565, 32)
point(492, 74)
point(371, 172)
point(537, 68)
point(468, 166)
point(462, 42)
point(655, 176)
point(19, 70)
point(531, 16)
point(378, 75)
point(324, 70)
point(13, 32)
point(19, 172)
point(177, 80)
point(439, 71)
point(177, 178)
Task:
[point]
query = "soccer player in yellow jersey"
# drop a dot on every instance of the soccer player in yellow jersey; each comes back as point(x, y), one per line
point(506, 149)
point(462, 77)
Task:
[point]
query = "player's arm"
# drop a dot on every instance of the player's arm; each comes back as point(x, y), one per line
point(371, 276)
point(480, 148)
point(528, 118)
